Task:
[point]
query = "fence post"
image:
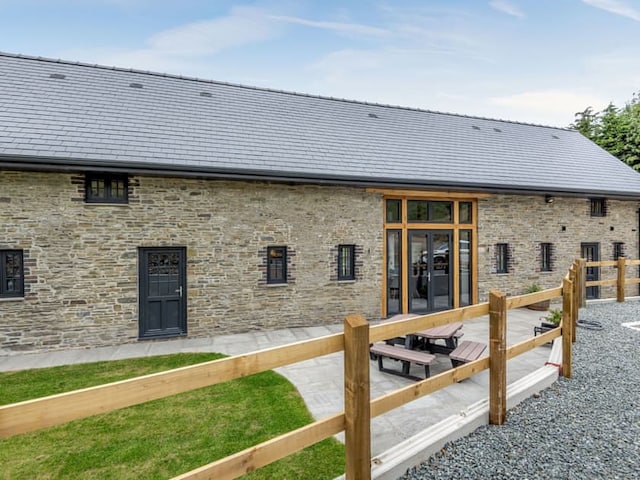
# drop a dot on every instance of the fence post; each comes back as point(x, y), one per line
point(497, 357)
point(357, 407)
point(621, 279)
point(567, 326)
point(582, 281)
point(575, 298)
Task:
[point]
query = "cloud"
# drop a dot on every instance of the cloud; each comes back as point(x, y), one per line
point(350, 28)
point(553, 103)
point(507, 7)
point(618, 7)
point(243, 26)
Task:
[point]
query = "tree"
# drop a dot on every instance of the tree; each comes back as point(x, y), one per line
point(617, 130)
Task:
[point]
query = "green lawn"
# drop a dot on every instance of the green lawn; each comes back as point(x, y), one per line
point(163, 438)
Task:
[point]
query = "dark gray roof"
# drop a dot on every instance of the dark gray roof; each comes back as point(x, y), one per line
point(57, 114)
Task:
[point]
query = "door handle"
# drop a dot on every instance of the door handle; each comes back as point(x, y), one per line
point(179, 290)
point(428, 276)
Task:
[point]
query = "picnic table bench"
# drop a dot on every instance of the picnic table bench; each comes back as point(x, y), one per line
point(467, 351)
point(405, 356)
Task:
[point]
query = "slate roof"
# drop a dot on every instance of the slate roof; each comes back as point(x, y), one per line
point(57, 114)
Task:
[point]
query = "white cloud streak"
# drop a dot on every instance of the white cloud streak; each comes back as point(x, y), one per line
point(507, 7)
point(617, 7)
point(349, 28)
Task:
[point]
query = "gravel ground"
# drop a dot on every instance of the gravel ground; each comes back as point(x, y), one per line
point(587, 427)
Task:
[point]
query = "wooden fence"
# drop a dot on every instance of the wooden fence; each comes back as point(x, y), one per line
point(359, 409)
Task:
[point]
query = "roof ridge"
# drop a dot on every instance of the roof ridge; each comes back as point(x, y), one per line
point(266, 89)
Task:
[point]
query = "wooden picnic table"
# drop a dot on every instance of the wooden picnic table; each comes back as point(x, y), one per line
point(425, 339)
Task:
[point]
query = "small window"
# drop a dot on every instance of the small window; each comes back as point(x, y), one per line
point(598, 207)
point(618, 250)
point(464, 211)
point(546, 257)
point(276, 265)
point(394, 211)
point(429, 211)
point(103, 188)
point(346, 262)
point(417, 211)
point(11, 273)
point(502, 258)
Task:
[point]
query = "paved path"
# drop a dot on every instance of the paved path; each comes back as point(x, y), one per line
point(320, 380)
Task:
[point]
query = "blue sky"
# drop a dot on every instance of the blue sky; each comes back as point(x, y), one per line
point(536, 61)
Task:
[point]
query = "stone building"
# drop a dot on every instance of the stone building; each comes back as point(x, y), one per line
point(139, 206)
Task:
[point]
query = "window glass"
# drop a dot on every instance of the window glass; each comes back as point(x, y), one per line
point(394, 211)
point(546, 257)
point(465, 267)
point(441, 212)
point(464, 212)
point(502, 258)
point(277, 265)
point(346, 262)
point(105, 188)
point(417, 211)
point(598, 207)
point(394, 271)
point(11, 273)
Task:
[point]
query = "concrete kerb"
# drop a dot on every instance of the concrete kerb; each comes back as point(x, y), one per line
point(419, 448)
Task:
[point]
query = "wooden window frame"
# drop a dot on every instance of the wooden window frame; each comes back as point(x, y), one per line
point(346, 251)
point(279, 256)
point(4, 292)
point(108, 180)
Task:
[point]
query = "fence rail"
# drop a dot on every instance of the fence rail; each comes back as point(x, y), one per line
point(359, 409)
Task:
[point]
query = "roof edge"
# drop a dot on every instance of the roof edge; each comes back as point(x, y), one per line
point(55, 165)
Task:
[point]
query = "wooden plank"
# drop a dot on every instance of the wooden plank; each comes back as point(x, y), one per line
point(633, 262)
point(630, 281)
point(497, 357)
point(596, 283)
point(357, 398)
point(426, 194)
point(582, 273)
point(524, 300)
point(531, 343)
point(567, 324)
point(620, 280)
point(267, 452)
point(57, 409)
point(401, 328)
point(397, 398)
point(602, 263)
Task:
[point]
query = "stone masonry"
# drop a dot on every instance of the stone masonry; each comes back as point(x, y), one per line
point(83, 258)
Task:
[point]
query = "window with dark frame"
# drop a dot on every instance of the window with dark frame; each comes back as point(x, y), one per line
point(502, 258)
point(598, 207)
point(618, 250)
point(106, 188)
point(276, 265)
point(11, 273)
point(546, 257)
point(346, 262)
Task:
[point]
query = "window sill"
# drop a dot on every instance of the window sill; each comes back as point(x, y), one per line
point(275, 285)
point(107, 204)
point(346, 281)
point(11, 299)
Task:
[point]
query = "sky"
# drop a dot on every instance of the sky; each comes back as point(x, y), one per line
point(533, 61)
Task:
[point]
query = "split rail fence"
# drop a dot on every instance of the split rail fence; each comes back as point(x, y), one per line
point(355, 420)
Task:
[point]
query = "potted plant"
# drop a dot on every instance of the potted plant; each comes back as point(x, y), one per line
point(552, 319)
point(539, 306)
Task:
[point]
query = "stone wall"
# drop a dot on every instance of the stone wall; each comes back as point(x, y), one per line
point(83, 258)
point(523, 222)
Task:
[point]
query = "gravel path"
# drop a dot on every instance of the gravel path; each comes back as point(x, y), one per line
point(587, 427)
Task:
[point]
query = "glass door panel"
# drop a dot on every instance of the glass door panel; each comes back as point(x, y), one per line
point(464, 265)
point(394, 272)
point(429, 278)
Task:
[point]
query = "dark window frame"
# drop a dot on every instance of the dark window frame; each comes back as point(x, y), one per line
point(109, 181)
point(598, 207)
point(618, 250)
point(276, 262)
point(546, 257)
point(348, 273)
point(502, 258)
point(4, 291)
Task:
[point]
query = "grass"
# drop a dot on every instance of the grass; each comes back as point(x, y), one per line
point(163, 438)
